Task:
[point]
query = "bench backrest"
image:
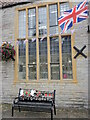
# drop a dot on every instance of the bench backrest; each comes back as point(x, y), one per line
point(36, 95)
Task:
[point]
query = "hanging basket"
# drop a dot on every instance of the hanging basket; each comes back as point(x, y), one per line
point(7, 51)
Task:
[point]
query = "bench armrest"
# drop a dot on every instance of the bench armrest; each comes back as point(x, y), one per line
point(54, 97)
point(16, 99)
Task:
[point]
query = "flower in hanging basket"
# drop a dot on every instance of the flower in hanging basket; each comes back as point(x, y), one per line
point(7, 51)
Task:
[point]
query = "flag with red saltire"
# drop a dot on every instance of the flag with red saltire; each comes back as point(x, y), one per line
point(74, 15)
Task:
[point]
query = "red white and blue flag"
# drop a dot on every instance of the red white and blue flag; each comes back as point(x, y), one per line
point(74, 15)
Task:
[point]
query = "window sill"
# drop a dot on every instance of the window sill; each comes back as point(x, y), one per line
point(46, 81)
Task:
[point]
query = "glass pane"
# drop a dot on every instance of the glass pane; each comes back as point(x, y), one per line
point(54, 49)
point(32, 22)
point(55, 72)
point(42, 21)
point(43, 58)
point(32, 59)
point(22, 60)
point(67, 57)
point(54, 57)
point(53, 19)
point(22, 24)
point(64, 7)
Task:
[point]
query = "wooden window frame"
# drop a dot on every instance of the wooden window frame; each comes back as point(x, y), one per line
point(74, 80)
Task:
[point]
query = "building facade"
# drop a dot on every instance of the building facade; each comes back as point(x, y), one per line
point(44, 57)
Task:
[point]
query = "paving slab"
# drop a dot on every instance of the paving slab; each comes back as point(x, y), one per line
point(62, 113)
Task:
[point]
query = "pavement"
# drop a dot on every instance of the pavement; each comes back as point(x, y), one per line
point(62, 113)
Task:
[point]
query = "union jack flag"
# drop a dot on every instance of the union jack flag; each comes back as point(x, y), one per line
point(74, 15)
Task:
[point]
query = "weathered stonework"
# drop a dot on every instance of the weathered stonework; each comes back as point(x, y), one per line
point(67, 94)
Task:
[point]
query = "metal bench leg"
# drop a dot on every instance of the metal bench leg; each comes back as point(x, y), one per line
point(54, 110)
point(19, 109)
point(51, 114)
point(12, 111)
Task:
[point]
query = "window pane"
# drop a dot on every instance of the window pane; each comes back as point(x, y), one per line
point(67, 57)
point(54, 49)
point(43, 58)
point(42, 21)
point(54, 56)
point(22, 24)
point(32, 59)
point(64, 7)
point(53, 19)
point(22, 60)
point(31, 22)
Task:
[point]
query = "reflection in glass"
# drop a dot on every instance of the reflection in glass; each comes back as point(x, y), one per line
point(22, 24)
point(22, 60)
point(43, 58)
point(32, 59)
point(64, 7)
point(54, 57)
point(42, 21)
point(67, 57)
point(53, 19)
point(31, 22)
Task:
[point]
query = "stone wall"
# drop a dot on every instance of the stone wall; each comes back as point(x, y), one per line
point(67, 94)
point(89, 59)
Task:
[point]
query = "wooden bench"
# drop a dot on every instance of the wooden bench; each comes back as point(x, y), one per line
point(39, 100)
